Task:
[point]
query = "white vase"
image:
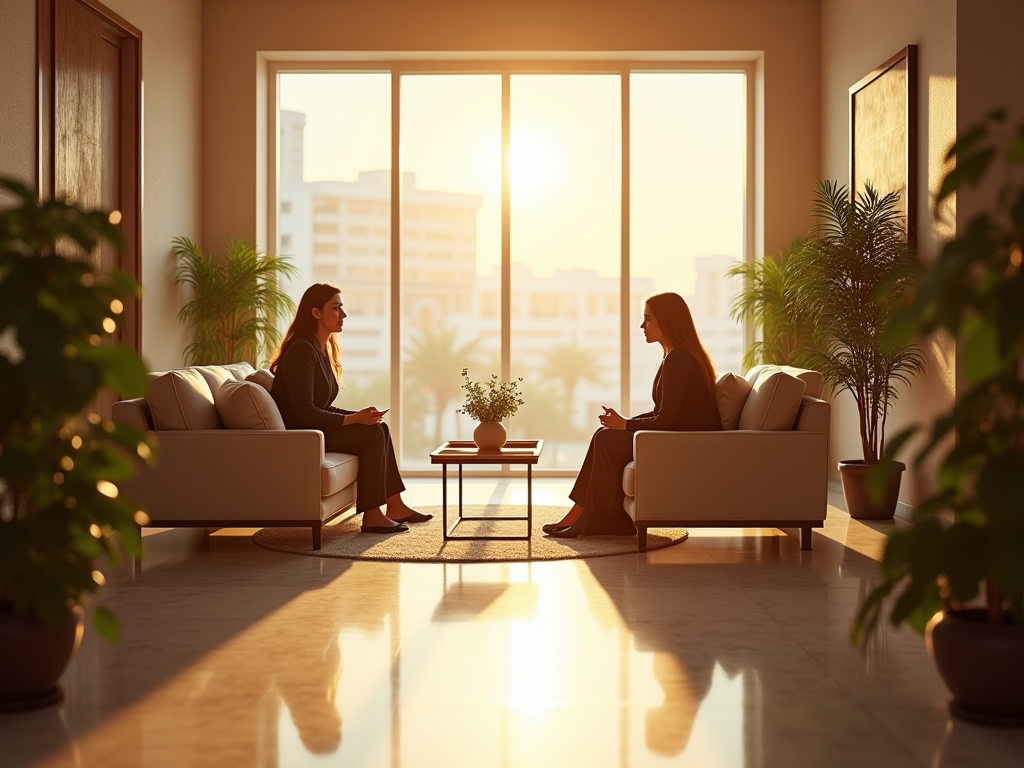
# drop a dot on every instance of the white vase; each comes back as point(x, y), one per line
point(490, 435)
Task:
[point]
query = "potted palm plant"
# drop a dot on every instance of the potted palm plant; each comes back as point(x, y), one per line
point(935, 571)
point(851, 277)
point(237, 300)
point(769, 297)
point(60, 462)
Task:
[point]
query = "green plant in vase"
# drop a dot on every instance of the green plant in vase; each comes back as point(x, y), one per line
point(237, 300)
point(933, 571)
point(489, 402)
point(851, 277)
point(60, 462)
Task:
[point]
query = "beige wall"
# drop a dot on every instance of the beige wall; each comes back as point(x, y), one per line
point(18, 137)
point(172, 75)
point(235, 30)
point(990, 74)
point(856, 37)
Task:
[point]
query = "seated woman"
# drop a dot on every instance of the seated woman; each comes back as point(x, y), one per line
point(684, 400)
point(306, 373)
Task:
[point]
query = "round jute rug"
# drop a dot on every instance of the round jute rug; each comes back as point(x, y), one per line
point(424, 542)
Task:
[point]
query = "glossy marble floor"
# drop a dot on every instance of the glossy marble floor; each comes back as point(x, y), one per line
point(728, 650)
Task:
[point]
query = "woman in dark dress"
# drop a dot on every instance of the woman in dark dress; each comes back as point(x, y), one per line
point(306, 373)
point(684, 400)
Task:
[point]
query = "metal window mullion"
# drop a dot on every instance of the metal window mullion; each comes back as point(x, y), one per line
point(624, 276)
point(396, 262)
point(506, 233)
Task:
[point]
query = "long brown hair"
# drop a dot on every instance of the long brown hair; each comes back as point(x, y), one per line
point(305, 325)
point(676, 322)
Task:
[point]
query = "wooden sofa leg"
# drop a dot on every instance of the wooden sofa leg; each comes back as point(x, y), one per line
point(317, 536)
point(805, 538)
point(641, 538)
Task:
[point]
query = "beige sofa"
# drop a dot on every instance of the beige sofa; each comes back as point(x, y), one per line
point(767, 468)
point(225, 458)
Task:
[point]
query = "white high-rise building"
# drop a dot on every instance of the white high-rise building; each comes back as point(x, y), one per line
point(710, 306)
point(340, 232)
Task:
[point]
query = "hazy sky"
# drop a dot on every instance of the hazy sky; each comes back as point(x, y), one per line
point(687, 156)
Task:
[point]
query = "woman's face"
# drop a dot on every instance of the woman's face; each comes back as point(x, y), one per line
point(331, 316)
point(652, 331)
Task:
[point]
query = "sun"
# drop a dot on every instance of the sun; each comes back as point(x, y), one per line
point(533, 164)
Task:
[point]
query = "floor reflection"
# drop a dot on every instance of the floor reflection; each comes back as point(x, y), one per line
point(731, 649)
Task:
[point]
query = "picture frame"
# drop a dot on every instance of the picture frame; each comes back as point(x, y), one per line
point(883, 133)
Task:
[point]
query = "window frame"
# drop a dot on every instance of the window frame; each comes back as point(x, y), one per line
point(748, 63)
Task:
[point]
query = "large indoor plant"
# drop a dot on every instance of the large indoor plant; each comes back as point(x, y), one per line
point(769, 297)
point(60, 462)
point(237, 300)
point(934, 570)
point(851, 277)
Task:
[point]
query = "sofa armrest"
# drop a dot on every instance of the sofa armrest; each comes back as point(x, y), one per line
point(814, 416)
point(730, 475)
point(232, 474)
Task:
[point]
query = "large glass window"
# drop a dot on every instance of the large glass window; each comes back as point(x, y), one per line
point(565, 166)
point(335, 212)
point(563, 320)
point(687, 202)
point(451, 251)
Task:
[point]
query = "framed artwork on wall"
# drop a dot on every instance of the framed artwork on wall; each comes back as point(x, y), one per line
point(883, 133)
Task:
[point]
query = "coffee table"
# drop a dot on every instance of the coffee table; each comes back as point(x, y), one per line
point(465, 452)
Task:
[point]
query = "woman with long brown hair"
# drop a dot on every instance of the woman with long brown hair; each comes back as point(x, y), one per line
point(684, 400)
point(306, 374)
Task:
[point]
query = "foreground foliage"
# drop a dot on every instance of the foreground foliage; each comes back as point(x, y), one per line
point(60, 507)
point(975, 292)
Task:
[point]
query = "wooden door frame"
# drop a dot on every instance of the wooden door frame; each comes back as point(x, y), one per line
point(130, 132)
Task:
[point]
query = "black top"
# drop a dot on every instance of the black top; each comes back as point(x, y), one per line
point(305, 386)
point(682, 401)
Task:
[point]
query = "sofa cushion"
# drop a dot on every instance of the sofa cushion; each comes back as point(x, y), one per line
point(244, 405)
point(216, 375)
point(263, 377)
point(815, 381)
point(773, 402)
point(182, 399)
point(338, 471)
point(731, 392)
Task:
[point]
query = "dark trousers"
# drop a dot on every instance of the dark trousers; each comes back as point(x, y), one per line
point(598, 487)
point(378, 475)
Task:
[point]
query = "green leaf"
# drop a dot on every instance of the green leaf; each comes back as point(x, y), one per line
point(967, 140)
point(980, 359)
point(120, 368)
point(1000, 490)
point(967, 171)
point(106, 624)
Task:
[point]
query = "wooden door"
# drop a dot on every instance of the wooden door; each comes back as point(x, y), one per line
point(90, 126)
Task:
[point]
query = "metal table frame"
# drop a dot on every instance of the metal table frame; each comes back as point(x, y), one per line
point(520, 457)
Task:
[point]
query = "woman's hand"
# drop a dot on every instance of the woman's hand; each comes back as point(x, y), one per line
point(369, 415)
point(611, 419)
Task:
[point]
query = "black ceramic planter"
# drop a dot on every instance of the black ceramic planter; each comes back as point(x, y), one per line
point(982, 664)
point(33, 657)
